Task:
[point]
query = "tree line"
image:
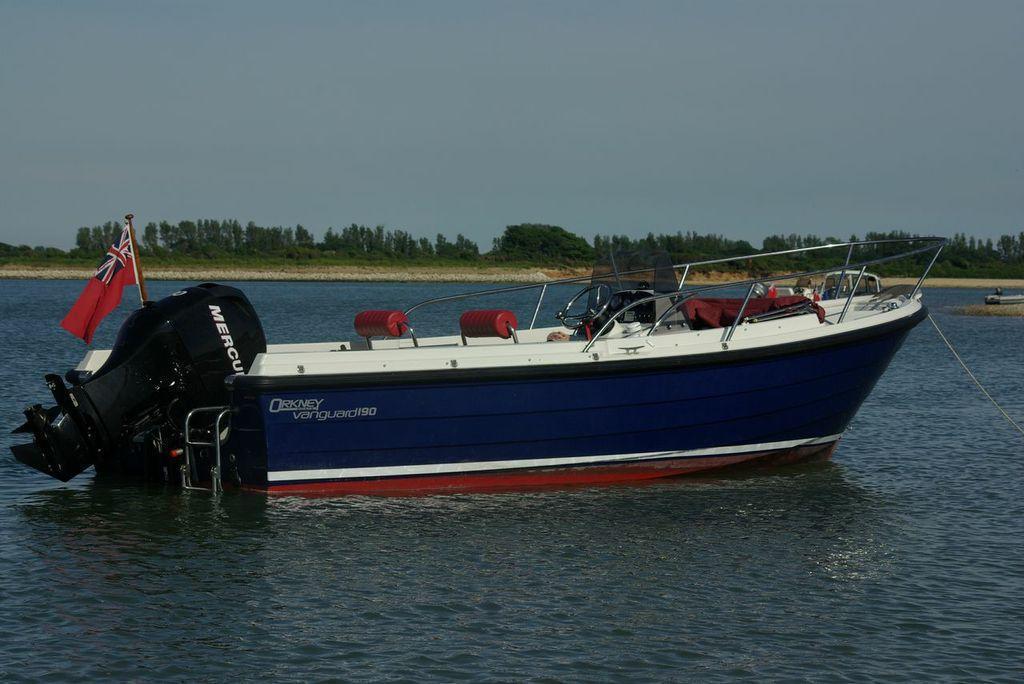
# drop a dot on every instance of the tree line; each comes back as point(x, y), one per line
point(210, 239)
point(522, 243)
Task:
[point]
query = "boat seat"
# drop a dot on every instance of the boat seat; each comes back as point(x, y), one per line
point(489, 323)
point(383, 323)
point(706, 313)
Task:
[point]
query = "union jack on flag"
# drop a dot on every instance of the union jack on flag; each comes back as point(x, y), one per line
point(117, 257)
point(102, 293)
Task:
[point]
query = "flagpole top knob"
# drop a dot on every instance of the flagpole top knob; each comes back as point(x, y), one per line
point(129, 216)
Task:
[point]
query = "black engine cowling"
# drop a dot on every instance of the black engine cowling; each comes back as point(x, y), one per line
point(170, 356)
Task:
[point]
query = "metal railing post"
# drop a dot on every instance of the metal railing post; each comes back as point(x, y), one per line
point(849, 300)
point(842, 273)
point(537, 308)
point(682, 281)
point(186, 467)
point(215, 482)
point(924, 275)
point(739, 314)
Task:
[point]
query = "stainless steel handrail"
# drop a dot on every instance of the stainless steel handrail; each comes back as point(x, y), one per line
point(682, 278)
point(739, 314)
point(687, 267)
point(853, 291)
point(540, 299)
point(751, 283)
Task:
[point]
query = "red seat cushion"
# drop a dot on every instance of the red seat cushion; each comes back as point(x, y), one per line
point(378, 323)
point(488, 323)
point(719, 312)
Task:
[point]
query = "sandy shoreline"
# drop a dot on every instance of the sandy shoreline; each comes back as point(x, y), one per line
point(420, 274)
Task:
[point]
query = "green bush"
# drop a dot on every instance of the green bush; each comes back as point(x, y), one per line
point(537, 242)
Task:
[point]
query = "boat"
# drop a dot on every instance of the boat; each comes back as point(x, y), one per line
point(999, 298)
point(641, 375)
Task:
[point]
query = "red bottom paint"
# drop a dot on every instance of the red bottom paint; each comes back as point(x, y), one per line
point(540, 477)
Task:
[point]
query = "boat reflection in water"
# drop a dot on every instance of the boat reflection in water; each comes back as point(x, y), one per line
point(640, 377)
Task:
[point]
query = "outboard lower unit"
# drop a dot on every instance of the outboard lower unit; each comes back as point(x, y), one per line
point(170, 356)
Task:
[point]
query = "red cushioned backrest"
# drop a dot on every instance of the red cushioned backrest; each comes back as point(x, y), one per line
point(488, 323)
point(378, 323)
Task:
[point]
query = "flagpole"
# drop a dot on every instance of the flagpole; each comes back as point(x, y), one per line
point(139, 280)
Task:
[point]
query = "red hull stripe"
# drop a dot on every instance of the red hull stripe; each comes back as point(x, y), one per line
point(591, 474)
point(281, 477)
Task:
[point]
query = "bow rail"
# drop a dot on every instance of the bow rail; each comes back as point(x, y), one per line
point(753, 282)
point(932, 243)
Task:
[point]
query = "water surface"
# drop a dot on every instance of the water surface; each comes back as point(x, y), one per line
point(901, 559)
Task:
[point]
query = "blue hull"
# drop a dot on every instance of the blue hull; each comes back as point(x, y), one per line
point(314, 433)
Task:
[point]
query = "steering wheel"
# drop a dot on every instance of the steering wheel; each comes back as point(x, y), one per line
point(604, 294)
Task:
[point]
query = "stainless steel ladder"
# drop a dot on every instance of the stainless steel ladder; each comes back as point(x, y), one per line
point(216, 486)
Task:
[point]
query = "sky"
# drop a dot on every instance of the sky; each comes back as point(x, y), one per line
point(739, 118)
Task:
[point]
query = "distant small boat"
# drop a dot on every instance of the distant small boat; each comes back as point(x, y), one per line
point(1000, 298)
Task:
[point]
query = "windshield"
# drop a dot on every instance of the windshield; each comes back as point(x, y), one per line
point(869, 283)
point(653, 271)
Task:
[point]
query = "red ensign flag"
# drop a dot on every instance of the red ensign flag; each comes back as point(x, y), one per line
point(103, 293)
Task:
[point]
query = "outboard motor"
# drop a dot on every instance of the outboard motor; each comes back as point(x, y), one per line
point(170, 356)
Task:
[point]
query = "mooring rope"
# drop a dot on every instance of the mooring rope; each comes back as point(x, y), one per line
point(975, 379)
